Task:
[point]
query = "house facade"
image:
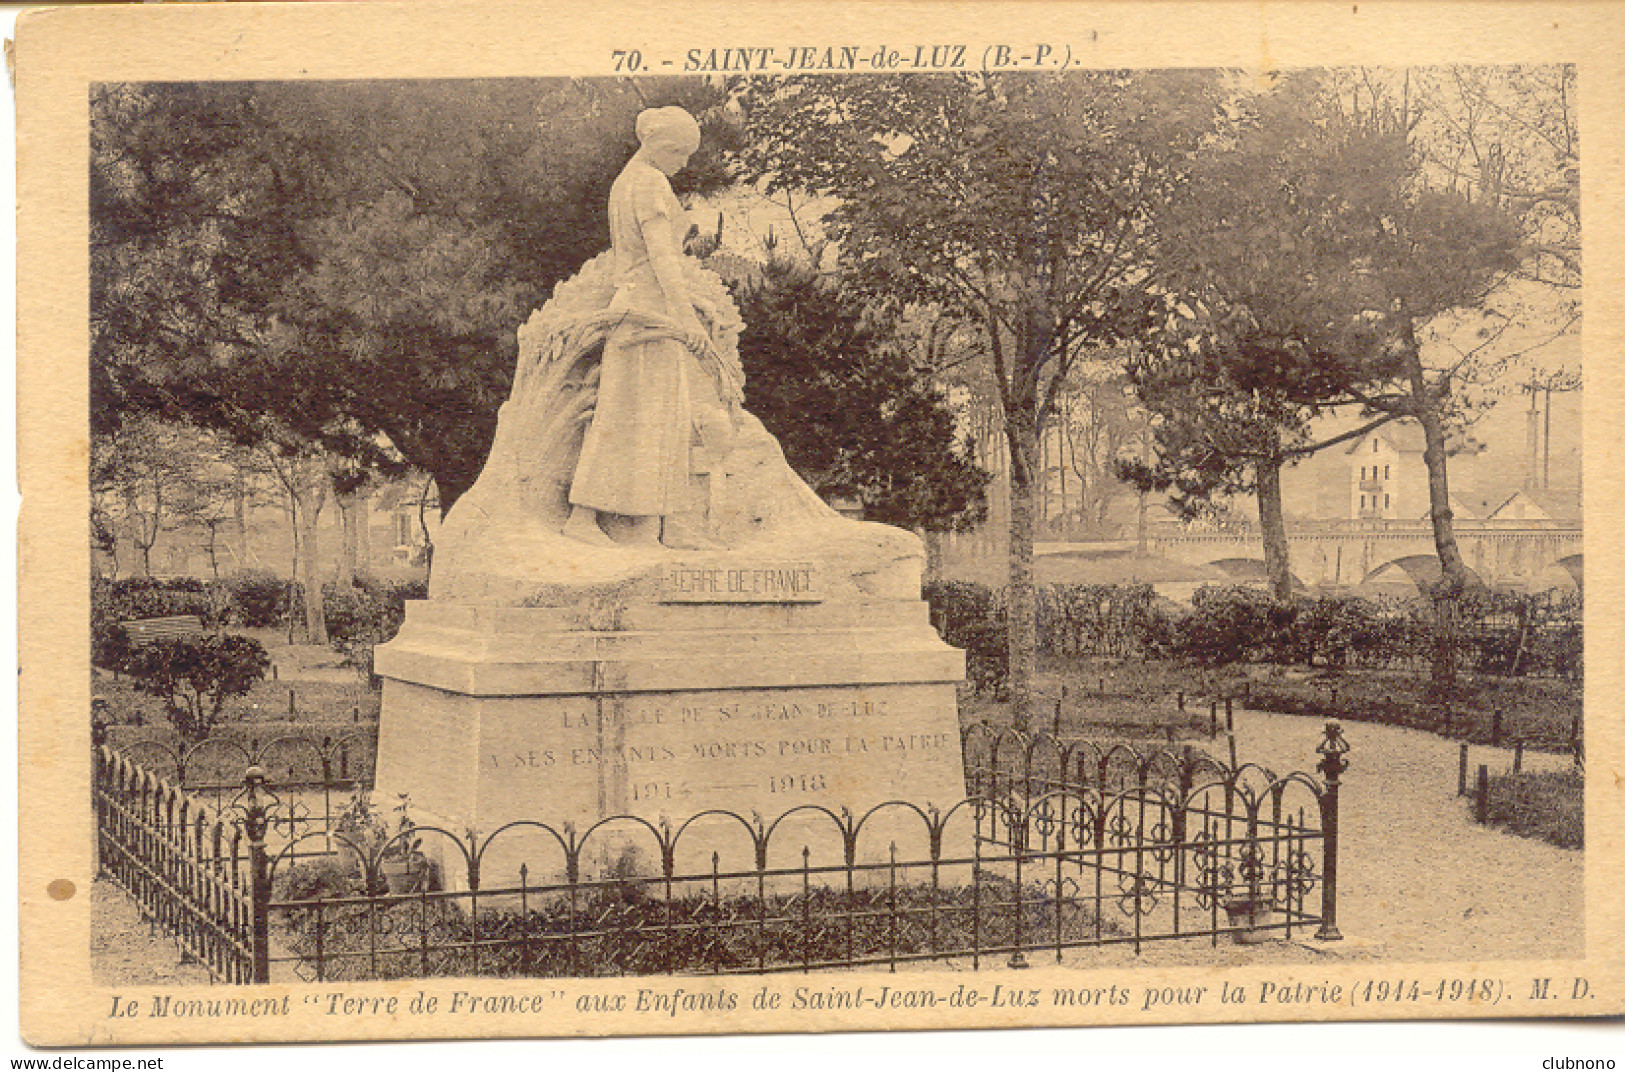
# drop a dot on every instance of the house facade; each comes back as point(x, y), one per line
point(1387, 478)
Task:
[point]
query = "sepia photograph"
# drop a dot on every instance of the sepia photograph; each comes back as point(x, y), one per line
point(760, 538)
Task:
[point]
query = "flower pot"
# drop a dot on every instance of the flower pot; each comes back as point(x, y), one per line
point(409, 875)
point(1247, 918)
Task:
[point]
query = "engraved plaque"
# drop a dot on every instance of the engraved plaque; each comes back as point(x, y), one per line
point(740, 581)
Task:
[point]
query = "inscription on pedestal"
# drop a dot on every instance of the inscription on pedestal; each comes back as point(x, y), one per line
point(766, 752)
point(740, 582)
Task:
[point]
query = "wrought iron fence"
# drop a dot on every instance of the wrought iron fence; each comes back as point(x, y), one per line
point(1062, 845)
point(196, 872)
point(315, 772)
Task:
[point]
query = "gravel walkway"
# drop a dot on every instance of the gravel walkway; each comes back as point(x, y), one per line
point(1419, 879)
point(125, 950)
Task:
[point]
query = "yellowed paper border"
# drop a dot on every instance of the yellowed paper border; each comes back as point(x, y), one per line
point(59, 53)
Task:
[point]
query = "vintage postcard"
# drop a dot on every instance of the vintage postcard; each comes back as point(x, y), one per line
point(715, 518)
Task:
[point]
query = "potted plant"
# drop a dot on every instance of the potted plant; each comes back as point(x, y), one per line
point(383, 848)
point(1248, 915)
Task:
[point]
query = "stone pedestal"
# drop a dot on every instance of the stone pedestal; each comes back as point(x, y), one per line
point(664, 710)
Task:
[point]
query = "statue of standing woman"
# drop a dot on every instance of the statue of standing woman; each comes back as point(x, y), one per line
point(623, 442)
point(635, 456)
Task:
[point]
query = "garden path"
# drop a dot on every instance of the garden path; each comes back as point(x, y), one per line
point(1420, 880)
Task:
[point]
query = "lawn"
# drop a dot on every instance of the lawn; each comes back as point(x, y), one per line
point(266, 702)
point(1540, 712)
point(1120, 698)
point(1548, 806)
point(1102, 700)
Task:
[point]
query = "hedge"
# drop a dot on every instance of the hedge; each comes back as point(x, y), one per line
point(260, 599)
point(367, 613)
point(972, 616)
point(1497, 633)
point(364, 613)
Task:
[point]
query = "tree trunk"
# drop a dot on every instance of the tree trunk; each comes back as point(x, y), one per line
point(310, 577)
point(112, 558)
point(1452, 581)
point(213, 549)
point(423, 523)
point(363, 535)
point(1066, 532)
point(293, 570)
point(309, 477)
point(1272, 526)
point(239, 521)
point(933, 554)
point(1021, 601)
point(352, 518)
point(143, 535)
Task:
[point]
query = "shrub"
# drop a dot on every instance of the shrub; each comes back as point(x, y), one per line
point(1512, 634)
point(195, 676)
point(971, 616)
point(109, 645)
point(607, 930)
point(318, 880)
point(113, 603)
point(1095, 619)
point(1235, 623)
point(259, 599)
point(366, 613)
point(133, 598)
point(368, 609)
point(1335, 629)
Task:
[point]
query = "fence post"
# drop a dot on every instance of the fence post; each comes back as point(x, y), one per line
point(98, 786)
point(1332, 764)
point(1517, 756)
point(1461, 772)
point(1481, 805)
point(255, 813)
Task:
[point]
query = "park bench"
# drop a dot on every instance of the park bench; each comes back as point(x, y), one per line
point(144, 631)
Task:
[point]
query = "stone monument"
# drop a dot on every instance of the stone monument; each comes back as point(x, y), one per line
point(639, 608)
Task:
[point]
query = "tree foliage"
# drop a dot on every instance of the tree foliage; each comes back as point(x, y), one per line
point(1019, 202)
point(852, 413)
point(148, 477)
point(195, 676)
point(349, 260)
point(1306, 253)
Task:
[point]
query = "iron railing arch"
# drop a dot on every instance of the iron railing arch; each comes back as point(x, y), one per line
point(1061, 844)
